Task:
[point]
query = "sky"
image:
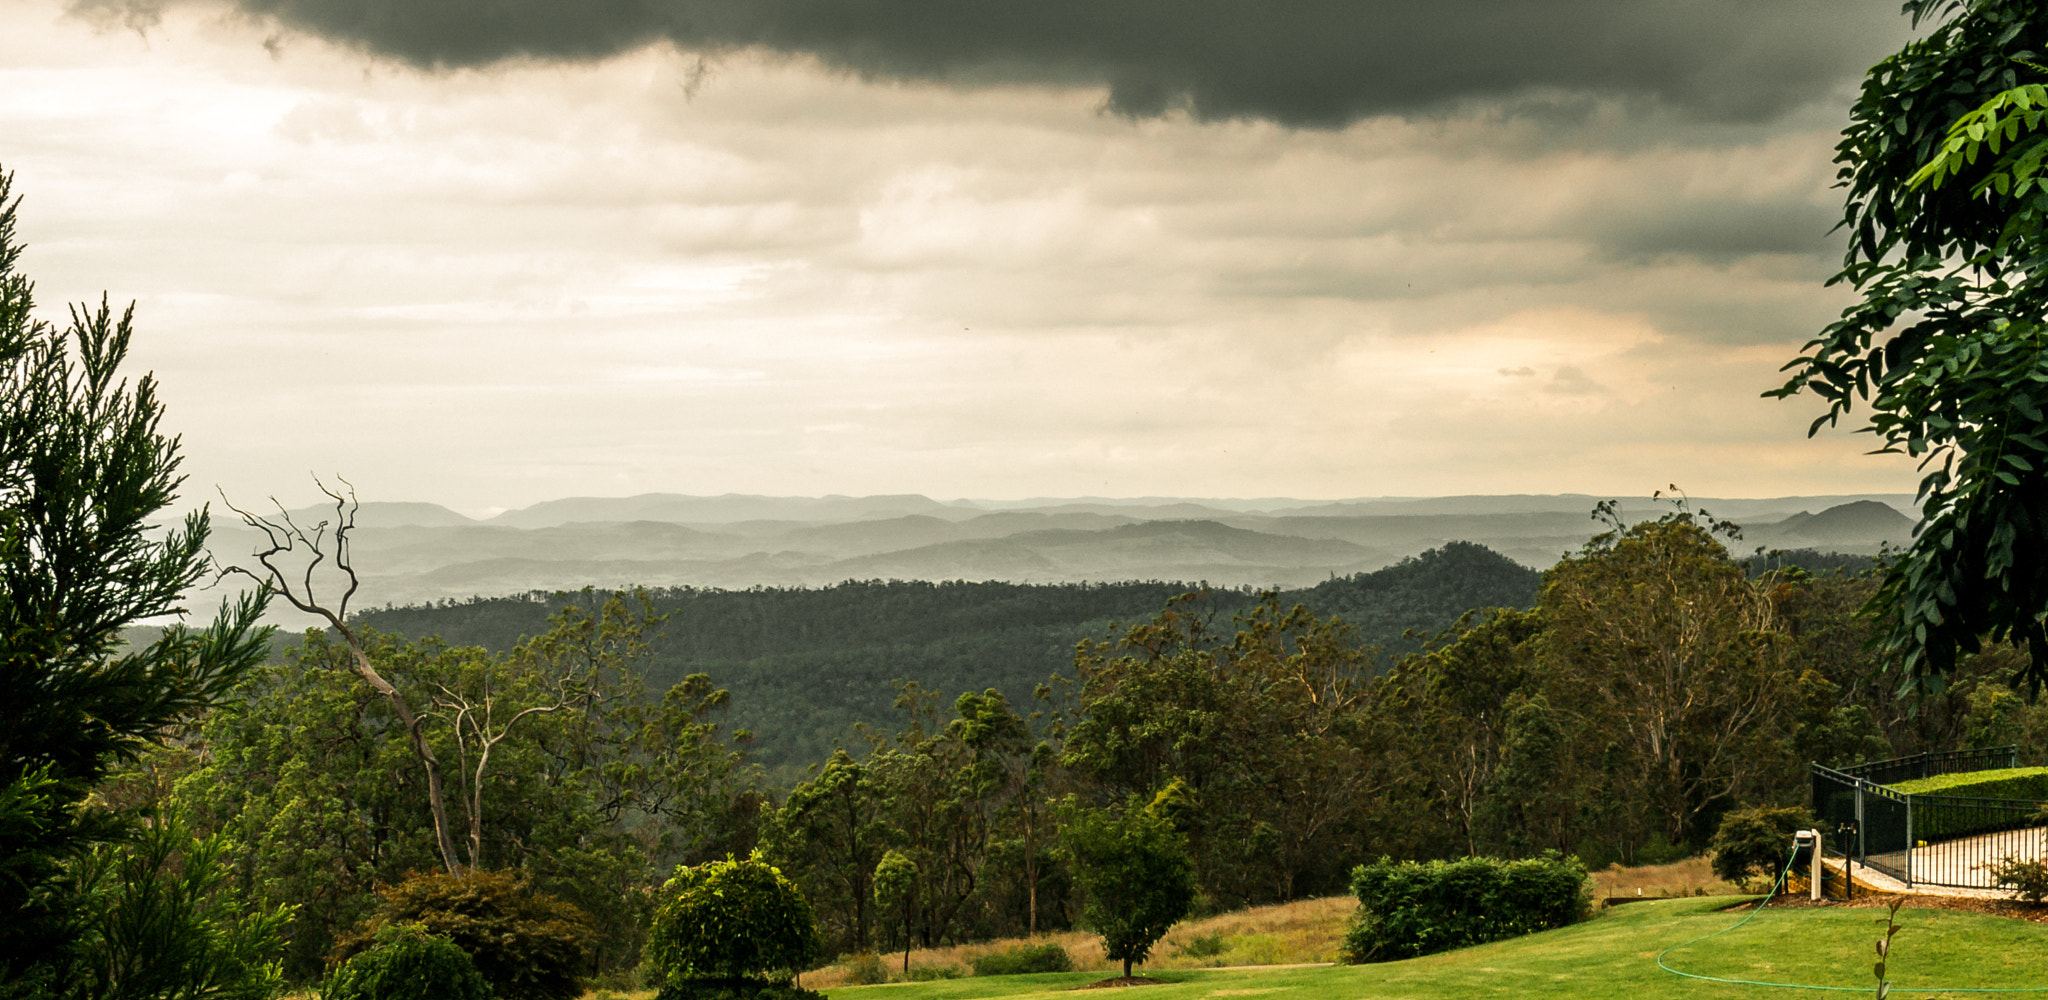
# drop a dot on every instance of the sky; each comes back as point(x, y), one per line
point(485, 253)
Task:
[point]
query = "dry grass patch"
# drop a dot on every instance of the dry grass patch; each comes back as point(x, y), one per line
point(1309, 930)
point(1691, 877)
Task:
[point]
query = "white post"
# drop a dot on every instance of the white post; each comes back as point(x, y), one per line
point(1809, 841)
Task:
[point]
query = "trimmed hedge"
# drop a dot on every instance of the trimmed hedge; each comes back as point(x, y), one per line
point(1408, 908)
point(2028, 783)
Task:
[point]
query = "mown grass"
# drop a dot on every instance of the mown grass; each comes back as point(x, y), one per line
point(1611, 957)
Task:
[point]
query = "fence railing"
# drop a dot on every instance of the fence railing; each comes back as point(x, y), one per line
point(1943, 840)
point(1927, 765)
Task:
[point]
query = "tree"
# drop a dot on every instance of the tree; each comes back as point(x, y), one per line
point(1756, 843)
point(1947, 346)
point(286, 542)
point(831, 829)
point(896, 893)
point(1266, 724)
point(1656, 640)
point(1134, 868)
point(84, 468)
point(733, 920)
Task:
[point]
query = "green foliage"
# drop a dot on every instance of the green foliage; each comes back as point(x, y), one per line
point(1946, 346)
point(1024, 959)
point(1408, 908)
point(314, 773)
point(405, 962)
point(928, 973)
point(2030, 783)
point(526, 944)
point(1995, 717)
point(1754, 843)
point(896, 879)
point(1267, 725)
point(161, 921)
point(807, 665)
point(1134, 870)
point(732, 919)
point(85, 470)
point(1203, 946)
point(2025, 878)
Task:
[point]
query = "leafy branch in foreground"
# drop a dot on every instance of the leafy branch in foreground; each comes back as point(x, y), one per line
point(1946, 346)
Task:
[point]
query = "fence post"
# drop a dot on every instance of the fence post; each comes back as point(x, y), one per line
point(1909, 841)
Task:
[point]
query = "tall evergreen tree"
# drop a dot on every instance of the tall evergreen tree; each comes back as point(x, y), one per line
point(84, 468)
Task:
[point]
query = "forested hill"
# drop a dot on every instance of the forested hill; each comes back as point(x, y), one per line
point(805, 664)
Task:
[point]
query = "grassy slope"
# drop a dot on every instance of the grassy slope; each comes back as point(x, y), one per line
point(1608, 958)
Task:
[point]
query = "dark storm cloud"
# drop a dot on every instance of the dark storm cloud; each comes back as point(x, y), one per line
point(1718, 232)
point(1298, 62)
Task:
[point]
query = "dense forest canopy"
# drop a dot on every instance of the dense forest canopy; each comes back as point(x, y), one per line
point(805, 665)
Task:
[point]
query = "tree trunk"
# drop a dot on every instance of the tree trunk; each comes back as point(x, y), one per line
point(415, 728)
point(1127, 968)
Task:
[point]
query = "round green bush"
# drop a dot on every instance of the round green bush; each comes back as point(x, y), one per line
point(732, 920)
point(528, 945)
point(404, 962)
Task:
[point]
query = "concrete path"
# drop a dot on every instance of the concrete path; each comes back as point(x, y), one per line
point(1885, 883)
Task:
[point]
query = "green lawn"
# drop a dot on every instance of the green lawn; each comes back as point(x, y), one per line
point(1613, 956)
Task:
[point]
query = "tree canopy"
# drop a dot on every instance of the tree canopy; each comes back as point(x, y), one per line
point(1946, 346)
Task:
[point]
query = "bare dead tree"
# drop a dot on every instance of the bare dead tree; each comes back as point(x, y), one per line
point(286, 542)
point(475, 725)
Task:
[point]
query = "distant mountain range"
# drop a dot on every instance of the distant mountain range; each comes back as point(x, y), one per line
point(419, 552)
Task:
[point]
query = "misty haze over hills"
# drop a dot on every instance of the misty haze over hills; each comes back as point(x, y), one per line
point(420, 552)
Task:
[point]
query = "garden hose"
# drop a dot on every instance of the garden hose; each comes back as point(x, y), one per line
point(1790, 859)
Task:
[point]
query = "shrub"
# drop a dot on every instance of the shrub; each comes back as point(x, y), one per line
point(732, 920)
point(1756, 842)
point(866, 969)
point(1409, 908)
point(1021, 960)
point(528, 945)
point(928, 973)
point(2025, 879)
point(404, 962)
point(1202, 946)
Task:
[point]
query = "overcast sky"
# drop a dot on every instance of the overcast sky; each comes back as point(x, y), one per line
point(490, 252)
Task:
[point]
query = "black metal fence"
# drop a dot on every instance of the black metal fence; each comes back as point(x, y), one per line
point(1927, 765)
point(1944, 840)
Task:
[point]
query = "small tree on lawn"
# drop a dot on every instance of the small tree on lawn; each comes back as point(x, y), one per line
point(732, 920)
point(1132, 866)
point(1755, 843)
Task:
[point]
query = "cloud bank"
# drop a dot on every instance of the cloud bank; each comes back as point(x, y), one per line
point(1306, 63)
